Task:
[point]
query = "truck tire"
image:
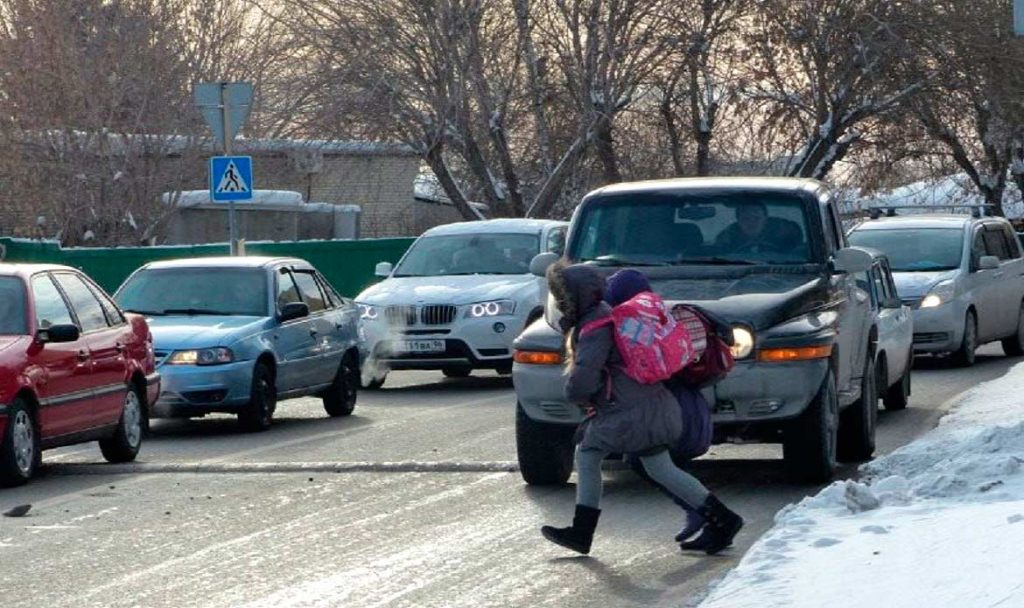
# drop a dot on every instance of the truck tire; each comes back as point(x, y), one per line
point(857, 423)
point(545, 451)
point(809, 442)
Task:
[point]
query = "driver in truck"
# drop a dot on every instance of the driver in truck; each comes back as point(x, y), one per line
point(755, 231)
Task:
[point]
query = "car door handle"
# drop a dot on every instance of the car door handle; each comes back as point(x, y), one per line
point(83, 355)
point(120, 348)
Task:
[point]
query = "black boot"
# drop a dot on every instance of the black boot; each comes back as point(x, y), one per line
point(579, 536)
point(693, 524)
point(722, 526)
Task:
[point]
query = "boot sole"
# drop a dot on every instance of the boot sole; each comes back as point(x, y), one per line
point(563, 543)
point(712, 550)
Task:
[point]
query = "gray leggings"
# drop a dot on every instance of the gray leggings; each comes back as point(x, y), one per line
point(659, 466)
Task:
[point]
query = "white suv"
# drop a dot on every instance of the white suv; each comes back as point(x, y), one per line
point(457, 299)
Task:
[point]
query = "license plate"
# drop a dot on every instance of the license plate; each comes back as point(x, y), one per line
point(418, 346)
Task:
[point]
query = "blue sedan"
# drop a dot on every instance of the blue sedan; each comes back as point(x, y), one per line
point(238, 334)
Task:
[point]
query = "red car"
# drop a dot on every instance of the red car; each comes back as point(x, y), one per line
point(73, 368)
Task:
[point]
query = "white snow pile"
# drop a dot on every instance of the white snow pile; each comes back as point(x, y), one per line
point(957, 189)
point(939, 523)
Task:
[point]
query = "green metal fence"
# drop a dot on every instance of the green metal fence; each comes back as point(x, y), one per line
point(348, 265)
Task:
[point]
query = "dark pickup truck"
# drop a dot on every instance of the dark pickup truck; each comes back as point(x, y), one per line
point(769, 256)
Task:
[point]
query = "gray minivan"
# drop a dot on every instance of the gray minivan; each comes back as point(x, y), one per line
point(963, 276)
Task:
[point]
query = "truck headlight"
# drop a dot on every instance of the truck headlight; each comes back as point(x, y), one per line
point(496, 308)
point(742, 342)
point(202, 356)
point(940, 294)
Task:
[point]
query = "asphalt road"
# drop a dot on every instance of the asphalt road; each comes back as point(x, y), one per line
point(412, 501)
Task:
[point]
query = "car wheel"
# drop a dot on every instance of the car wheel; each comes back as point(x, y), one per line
point(259, 413)
point(124, 444)
point(19, 446)
point(340, 398)
point(1013, 346)
point(857, 423)
point(965, 355)
point(897, 396)
point(545, 451)
point(809, 442)
point(457, 372)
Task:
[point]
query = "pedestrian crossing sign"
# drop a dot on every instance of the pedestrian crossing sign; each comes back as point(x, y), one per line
point(230, 178)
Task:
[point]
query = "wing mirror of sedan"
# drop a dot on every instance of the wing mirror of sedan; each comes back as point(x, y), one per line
point(292, 311)
point(852, 260)
point(383, 270)
point(541, 262)
point(988, 262)
point(59, 333)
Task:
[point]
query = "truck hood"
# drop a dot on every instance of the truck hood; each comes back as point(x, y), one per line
point(456, 290)
point(918, 284)
point(184, 332)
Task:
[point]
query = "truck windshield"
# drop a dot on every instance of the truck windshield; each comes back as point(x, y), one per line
point(196, 291)
point(12, 307)
point(656, 229)
point(915, 249)
point(456, 254)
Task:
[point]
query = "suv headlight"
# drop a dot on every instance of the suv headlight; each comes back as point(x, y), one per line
point(940, 294)
point(496, 308)
point(367, 312)
point(742, 342)
point(202, 356)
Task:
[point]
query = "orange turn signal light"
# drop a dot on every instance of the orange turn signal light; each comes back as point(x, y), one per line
point(537, 357)
point(782, 355)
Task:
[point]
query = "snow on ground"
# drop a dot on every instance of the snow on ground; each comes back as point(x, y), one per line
point(938, 523)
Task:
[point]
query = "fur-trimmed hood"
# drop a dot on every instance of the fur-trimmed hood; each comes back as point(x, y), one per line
point(578, 291)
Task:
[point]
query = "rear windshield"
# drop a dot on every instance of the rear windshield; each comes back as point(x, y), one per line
point(196, 291)
point(12, 307)
point(721, 228)
point(915, 249)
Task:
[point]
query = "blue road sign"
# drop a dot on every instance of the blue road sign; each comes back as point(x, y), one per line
point(230, 178)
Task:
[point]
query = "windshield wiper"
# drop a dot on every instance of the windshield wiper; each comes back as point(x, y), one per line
point(716, 262)
point(621, 262)
point(195, 312)
point(146, 313)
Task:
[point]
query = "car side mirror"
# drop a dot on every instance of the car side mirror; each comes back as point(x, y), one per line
point(852, 260)
point(59, 333)
point(383, 270)
point(988, 262)
point(292, 311)
point(541, 262)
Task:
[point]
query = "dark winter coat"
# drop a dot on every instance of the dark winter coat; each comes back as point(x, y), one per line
point(633, 418)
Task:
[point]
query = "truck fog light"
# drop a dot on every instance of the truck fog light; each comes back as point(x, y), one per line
point(499, 328)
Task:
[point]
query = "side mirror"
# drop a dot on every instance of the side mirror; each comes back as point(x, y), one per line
point(59, 333)
point(292, 311)
point(852, 260)
point(988, 262)
point(541, 262)
point(383, 270)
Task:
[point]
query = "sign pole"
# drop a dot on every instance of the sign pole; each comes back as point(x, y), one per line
point(232, 226)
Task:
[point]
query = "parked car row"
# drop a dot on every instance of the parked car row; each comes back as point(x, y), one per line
point(179, 339)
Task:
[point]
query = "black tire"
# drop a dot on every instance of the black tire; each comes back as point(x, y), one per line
point(897, 396)
point(545, 451)
point(1013, 345)
point(809, 442)
point(457, 372)
point(965, 355)
point(124, 444)
point(857, 423)
point(259, 413)
point(340, 398)
point(19, 446)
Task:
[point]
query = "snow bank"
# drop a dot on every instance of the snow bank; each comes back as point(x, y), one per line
point(938, 523)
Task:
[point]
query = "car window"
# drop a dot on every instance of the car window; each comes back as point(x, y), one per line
point(87, 308)
point(1012, 242)
point(914, 249)
point(12, 307)
point(287, 292)
point(556, 240)
point(114, 316)
point(995, 244)
point(196, 290)
point(311, 294)
point(891, 285)
point(332, 295)
point(864, 282)
point(879, 284)
point(466, 254)
point(977, 249)
point(50, 306)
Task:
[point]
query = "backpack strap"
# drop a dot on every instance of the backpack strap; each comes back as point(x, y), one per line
point(595, 325)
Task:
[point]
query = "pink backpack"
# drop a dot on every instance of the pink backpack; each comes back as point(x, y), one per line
point(652, 344)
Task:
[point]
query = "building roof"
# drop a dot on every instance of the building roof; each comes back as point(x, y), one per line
point(499, 226)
